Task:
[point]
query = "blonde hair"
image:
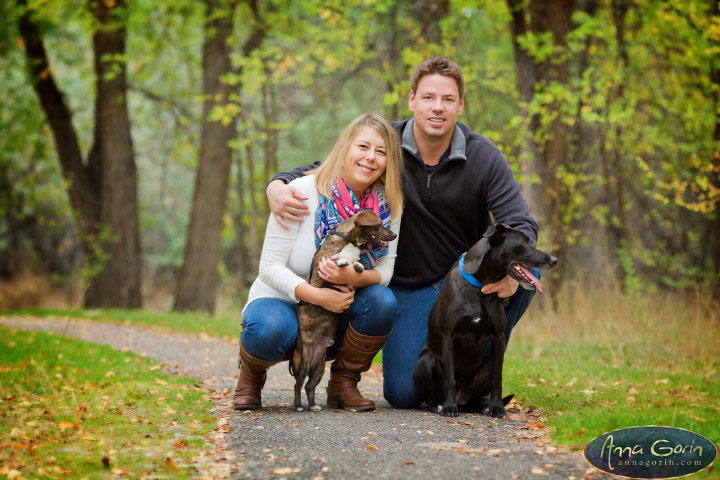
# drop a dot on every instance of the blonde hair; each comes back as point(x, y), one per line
point(391, 179)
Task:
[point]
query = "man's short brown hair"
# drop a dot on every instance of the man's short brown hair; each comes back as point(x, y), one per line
point(440, 66)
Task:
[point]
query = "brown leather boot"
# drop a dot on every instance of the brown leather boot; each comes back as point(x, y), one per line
point(353, 358)
point(253, 372)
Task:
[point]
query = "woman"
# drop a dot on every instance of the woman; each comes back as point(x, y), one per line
point(362, 172)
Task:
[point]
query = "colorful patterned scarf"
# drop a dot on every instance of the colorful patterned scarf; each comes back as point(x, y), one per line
point(342, 205)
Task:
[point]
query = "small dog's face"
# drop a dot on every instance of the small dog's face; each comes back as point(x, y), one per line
point(515, 250)
point(369, 229)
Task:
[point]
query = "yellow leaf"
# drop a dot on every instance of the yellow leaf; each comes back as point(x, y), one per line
point(64, 425)
point(537, 470)
point(371, 447)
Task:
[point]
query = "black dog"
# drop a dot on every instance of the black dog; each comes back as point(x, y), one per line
point(317, 325)
point(452, 370)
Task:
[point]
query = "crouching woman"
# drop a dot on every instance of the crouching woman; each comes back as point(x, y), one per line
point(362, 172)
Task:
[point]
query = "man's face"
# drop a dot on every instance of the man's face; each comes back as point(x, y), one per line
point(436, 105)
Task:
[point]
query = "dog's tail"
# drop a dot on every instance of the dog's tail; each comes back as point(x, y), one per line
point(295, 365)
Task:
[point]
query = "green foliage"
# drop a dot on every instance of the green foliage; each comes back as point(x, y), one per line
point(637, 113)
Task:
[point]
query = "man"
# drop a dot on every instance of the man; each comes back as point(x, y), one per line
point(454, 180)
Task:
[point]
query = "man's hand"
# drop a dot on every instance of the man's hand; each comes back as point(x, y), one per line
point(286, 203)
point(504, 288)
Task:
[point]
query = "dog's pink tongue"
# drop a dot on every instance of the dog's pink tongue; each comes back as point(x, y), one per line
point(532, 278)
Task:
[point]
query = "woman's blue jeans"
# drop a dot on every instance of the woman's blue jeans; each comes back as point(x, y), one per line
point(270, 325)
point(409, 334)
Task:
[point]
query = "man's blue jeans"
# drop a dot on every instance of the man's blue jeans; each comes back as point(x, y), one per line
point(409, 334)
point(270, 325)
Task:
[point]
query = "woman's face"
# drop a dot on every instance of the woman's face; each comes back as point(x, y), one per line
point(365, 161)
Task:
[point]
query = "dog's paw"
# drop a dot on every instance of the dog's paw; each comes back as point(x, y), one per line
point(497, 411)
point(316, 408)
point(299, 409)
point(450, 411)
point(341, 262)
point(435, 407)
point(359, 267)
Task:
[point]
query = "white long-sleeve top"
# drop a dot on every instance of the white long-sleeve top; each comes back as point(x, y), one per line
point(287, 255)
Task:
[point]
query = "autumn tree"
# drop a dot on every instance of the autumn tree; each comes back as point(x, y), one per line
point(198, 277)
point(102, 186)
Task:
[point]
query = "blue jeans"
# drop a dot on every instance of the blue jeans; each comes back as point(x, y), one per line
point(270, 325)
point(409, 334)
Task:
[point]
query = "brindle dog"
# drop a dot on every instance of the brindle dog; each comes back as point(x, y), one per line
point(317, 325)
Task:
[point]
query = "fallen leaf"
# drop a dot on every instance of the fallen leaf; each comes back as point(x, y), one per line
point(430, 432)
point(106, 461)
point(172, 464)
point(64, 425)
point(408, 462)
point(120, 472)
point(537, 470)
point(371, 447)
point(284, 471)
point(664, 381)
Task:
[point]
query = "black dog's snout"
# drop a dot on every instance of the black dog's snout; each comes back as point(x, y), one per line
point(553, 261)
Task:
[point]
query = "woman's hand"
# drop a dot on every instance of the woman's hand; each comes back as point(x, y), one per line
point(330, 272)
point(334, 301)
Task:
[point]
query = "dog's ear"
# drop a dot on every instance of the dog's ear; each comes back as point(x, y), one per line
point(496, 233)
point(367, 218)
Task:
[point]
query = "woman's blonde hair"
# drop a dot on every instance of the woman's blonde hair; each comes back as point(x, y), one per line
point(391, 180)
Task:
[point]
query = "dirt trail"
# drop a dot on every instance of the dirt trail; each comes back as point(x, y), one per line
point(278, 442)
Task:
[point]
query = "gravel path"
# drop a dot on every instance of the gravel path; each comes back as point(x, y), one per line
point(277, 442)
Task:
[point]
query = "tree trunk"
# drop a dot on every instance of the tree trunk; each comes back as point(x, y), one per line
point(715, 222)
point(83, 183)
point(119, 282)
point(546, 198)
point(103, 191)
point(198, 277)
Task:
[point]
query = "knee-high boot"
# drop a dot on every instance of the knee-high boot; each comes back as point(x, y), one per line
point(353, 358)
point(253, 372)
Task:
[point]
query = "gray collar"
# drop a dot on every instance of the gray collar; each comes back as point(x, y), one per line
point(457, 143)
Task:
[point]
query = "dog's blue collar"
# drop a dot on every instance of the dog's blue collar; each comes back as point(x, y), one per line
point(469, 278)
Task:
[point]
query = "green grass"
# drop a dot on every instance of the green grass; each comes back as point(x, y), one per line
point(72, 409)
point(219, 326)
point(603, 361)
point(586, 390)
